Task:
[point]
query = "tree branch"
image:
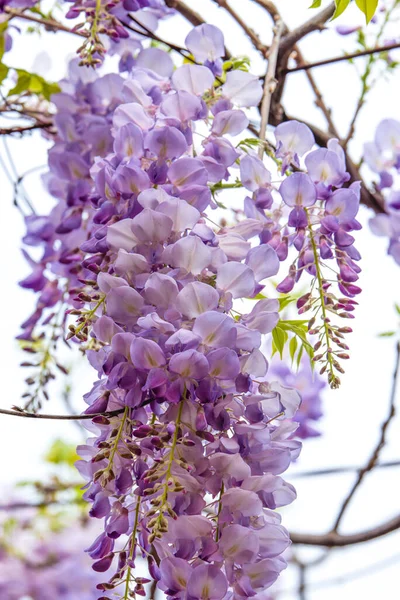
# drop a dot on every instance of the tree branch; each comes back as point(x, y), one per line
point(319, 98)
point(381, 442)
point(23, 129)
point(339, 470)
point(334, 539)
point(49, 24)
point(330, 61)
point(21, 413)
point(316, 22)
point(272, 10)
point(188, 13)
point(257, 43)
point(269, 83)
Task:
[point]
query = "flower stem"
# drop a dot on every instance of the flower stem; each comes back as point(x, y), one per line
point(133, 540)
point(333, 379)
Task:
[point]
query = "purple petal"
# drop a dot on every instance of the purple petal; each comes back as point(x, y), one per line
point(146, 354)
point(298, 190)
point(236, 278)
point(196, 298)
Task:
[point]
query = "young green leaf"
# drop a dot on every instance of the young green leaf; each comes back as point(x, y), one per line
point(3, 72)
point(293, 348)
point(279, 337)
point(341, 6)
point(316, 4)
point(368, 7)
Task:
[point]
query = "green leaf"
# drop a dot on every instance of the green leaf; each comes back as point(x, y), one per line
point(341, 6)
point(293, 347)
point(368, 7)
point(397, 307)
point(3, 27)
point(3, 72)
point(279, 337)
point(300, 354)
point(316, 4)
point(61, 453)
point(284, 301)
point(33, 83)
point(387, 334)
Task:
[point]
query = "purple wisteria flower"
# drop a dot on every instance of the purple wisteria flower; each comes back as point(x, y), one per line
point(188, 436)
point(310, 386)
point(383, 157)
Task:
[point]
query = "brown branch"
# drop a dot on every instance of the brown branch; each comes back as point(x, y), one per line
point(319, 98)
point(257, 43)
point(24, 129)
point(269, 83)
point(317, 22)
point(330, 61)
point(334, 539)
point(42, 504)
point(21, 413)
point(373, 459)
point(272, 11)
point(188, 13)
point(339, 470)
point(150, 34)
point(49, 24)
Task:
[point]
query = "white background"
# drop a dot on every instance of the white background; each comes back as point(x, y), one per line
point(353, 414)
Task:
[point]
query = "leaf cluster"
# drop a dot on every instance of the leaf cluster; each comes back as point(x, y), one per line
point(367, 7)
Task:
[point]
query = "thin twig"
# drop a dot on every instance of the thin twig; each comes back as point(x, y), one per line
point(148, 33)
point(334, 539)
point(272, 10)
point(365, 85)
point(191, 16)
point(188, 13)
point(28, 415)
point(349, 576)
point(269, 83)
point(42, 504)
point(340, 470)
point(23, 129)
point(330, 61)
point(257, 43)
point(319, 98)
point(317, 22)
point(377, 450)
point(49, 24)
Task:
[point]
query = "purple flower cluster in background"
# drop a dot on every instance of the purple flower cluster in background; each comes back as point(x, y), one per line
point(383, 157)
point(43, 564)
point(310, 386)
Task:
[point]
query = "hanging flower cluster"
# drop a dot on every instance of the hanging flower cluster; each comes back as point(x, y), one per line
point(84, 119)
point(102, 18)
point(322, 215)
point(383, 157)
point(186, 470)
point(189, 436)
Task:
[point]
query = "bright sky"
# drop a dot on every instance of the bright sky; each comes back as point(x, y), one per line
point(352, 414)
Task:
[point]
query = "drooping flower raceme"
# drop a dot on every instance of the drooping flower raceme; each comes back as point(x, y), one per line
point(189, 439)
point(183, 471)
point(322, 213)
point(383, 157)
